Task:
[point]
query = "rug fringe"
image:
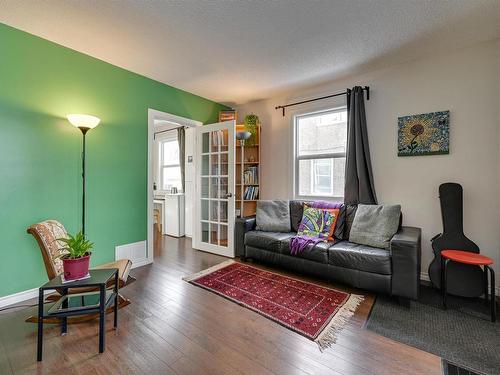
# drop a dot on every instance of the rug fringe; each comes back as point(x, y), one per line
point(208, 270)
point(329, 335)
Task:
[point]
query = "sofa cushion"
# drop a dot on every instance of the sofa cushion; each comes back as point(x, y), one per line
point(374, 225)
point(361, 257)
point(296, 212)
point(350, 212)
point(316, 253)
point(273, 216)
point(271, 241)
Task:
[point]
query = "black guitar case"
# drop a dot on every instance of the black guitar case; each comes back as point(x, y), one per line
point(463, 280)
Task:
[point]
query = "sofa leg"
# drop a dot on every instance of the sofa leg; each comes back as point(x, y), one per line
point(405, 302)
point(243, 258)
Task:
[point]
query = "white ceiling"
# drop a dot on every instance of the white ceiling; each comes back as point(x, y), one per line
point(237, 51)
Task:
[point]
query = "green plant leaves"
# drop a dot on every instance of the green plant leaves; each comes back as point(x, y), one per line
point(75, 246)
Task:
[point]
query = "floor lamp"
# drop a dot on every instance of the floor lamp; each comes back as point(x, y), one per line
point(84, 123)
point(242, 137)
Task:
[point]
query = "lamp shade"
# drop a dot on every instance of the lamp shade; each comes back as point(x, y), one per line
point(243, 136)
point(83, 121)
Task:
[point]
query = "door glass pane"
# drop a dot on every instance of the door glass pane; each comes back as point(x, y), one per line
point(223, 212)
point(205, 143)
point(205, 165)
point(223, 164)
point(204, 209)
point(223, 235)
point(214, 234)
point(214, 211)
point(224, 144)
point(204, 187)
point(214, 187)
point(219, 140)
point(223, 187)
point(216, 140)
point(214, 164)
point(204, 232)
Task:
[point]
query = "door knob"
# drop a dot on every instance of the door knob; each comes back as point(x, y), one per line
point(229, 195)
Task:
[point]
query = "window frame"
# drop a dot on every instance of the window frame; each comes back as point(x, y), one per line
point(297, 158)
point(161, 167)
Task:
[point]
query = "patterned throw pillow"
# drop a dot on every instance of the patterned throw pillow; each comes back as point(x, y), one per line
point(317, 222)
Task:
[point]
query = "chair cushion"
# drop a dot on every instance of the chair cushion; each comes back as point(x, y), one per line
point(271, 241)
point(316, 253)
point(360, 257)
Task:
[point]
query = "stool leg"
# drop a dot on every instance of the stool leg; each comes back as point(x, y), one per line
point(485, 284)
point(442, 281)
point(445, 282)
point(492, 292)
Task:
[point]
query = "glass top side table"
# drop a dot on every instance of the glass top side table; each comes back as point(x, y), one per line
point(79, 303)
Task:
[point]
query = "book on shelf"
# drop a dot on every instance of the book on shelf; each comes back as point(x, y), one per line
point(251, 175)
point(251, 193)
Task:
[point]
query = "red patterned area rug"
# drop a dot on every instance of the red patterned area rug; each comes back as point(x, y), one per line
point(313, 311)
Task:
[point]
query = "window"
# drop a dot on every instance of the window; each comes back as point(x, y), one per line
point(320, 151)
point(170, 169)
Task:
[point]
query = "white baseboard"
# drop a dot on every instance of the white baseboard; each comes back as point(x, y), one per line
point(425, 276)
point(18, 297)
point(136, 252)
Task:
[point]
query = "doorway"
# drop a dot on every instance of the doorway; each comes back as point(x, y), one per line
point(170, 192)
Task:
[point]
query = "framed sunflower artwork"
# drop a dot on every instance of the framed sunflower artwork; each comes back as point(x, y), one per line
point(424, 134)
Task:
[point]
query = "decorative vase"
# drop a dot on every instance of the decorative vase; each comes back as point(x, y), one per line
point(76, 268)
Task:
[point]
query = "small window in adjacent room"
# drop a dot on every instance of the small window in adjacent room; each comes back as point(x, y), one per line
point(320, 152)
point(170, 169)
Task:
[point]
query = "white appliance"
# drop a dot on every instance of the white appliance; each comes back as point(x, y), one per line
point(174, 215)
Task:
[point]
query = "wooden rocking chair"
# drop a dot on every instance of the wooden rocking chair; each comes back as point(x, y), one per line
point(46, 234)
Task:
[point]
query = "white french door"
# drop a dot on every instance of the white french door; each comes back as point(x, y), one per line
point(214, 188)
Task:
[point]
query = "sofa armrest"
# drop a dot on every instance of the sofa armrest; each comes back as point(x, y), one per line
point(406, 252)
point(241, 226)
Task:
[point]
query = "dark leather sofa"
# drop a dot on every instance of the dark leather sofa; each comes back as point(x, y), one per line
point(395, 271)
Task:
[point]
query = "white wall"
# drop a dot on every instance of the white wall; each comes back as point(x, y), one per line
point(466, 82)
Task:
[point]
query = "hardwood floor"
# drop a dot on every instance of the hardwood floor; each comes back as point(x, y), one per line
point(173, 327)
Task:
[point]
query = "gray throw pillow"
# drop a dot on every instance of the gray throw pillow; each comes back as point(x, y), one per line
point(273, 216)
point(375, 225)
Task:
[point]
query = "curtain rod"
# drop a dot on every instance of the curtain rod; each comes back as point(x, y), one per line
point(168, 130)
point(347, 91)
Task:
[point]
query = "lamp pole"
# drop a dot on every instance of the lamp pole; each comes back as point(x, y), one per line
point(84, 131)
point(84, 123)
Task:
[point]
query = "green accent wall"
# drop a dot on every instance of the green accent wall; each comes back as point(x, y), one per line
point(40, 166)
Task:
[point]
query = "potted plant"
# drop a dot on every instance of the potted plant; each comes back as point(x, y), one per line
point(75, 256)
point(251, 122)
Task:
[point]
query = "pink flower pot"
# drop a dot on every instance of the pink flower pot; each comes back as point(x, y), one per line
point(76, 268)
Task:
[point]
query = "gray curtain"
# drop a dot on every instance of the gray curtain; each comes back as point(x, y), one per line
point(359, 187)
point(181, 138)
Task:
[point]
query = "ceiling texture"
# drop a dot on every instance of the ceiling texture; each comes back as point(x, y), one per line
point(238, 51)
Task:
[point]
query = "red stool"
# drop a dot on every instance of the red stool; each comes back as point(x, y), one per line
point(466, 257)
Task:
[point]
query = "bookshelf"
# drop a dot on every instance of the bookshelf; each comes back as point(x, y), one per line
point(251, 170)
